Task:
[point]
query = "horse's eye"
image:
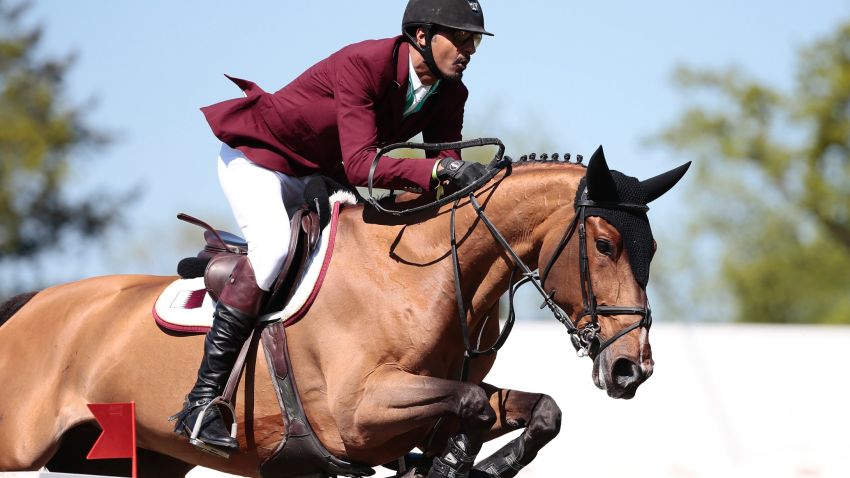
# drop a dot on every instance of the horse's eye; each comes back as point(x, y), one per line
point(604, 246)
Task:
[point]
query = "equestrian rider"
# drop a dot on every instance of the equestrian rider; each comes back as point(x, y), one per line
point(329, 121)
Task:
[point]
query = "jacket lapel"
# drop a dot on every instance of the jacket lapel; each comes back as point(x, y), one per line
point(401, 56)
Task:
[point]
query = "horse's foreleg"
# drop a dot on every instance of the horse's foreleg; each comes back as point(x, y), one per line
point(541, 418)
point(396, 403)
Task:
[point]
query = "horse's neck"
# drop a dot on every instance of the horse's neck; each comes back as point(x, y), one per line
point(534, 201)
point(414, 256)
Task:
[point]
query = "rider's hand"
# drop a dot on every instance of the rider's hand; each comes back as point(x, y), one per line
point(458, 172)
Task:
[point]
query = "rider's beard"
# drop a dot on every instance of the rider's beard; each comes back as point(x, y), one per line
point(457, 69)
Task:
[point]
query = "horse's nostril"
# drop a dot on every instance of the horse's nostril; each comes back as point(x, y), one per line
point(625, 371)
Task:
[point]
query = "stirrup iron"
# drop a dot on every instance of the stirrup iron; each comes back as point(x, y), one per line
point(193, 438)
point(196, 429)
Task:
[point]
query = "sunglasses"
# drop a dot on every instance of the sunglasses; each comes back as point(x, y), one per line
point(461, 37)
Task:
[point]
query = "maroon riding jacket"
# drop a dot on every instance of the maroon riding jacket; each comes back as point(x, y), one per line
point(333, 117)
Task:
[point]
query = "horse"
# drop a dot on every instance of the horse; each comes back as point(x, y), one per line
point(379, 356)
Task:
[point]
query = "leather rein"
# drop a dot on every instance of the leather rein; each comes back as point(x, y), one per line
point(586, 340)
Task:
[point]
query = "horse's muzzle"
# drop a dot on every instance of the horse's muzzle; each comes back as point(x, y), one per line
point(619, 378)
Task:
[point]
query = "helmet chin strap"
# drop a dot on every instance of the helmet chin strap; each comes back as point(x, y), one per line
point(426, 52)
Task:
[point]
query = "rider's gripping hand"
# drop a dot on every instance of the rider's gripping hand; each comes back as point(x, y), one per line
point(458, 172)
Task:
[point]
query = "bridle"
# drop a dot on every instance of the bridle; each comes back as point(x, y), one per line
point(586, 340)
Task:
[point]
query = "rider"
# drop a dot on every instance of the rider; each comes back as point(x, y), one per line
point(330, 121)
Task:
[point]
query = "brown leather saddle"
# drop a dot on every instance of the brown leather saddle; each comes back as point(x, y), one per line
point(300, 454)
point(223, 249)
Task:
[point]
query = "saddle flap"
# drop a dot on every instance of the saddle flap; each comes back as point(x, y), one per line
point(310, 225)
point(293, 267)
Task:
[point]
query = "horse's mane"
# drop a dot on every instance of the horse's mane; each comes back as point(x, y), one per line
point(415, 199)
point(8, 308)
point(545, 158)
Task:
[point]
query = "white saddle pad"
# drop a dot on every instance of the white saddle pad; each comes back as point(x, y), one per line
point(185, 305)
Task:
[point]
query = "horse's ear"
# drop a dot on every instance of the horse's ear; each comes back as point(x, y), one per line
point(655, 187)
point(600, 184)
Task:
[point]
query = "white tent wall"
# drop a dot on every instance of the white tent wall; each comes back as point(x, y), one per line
point(724, 401)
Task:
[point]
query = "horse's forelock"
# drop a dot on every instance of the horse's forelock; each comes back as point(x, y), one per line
point(11, 306)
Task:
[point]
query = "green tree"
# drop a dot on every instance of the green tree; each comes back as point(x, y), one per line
point(773, 186)
point(43, 136)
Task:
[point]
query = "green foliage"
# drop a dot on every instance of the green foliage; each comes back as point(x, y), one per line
point(774, 183)
point(42, 137)
point(792, 280)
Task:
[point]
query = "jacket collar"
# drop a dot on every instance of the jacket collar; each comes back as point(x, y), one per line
point(401, 56)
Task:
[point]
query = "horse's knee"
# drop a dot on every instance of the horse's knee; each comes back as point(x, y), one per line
point(475, 407)
point(360, 435)
point(545, 421)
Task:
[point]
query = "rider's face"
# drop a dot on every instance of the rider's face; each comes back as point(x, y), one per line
point(453, 50)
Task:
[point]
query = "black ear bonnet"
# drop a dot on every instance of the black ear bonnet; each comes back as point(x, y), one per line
point(632, 226)
point(608, 186)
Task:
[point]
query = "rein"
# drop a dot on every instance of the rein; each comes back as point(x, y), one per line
point(527, 276)
point(497, 164)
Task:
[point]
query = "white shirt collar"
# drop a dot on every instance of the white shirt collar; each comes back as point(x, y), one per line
point(415, 82)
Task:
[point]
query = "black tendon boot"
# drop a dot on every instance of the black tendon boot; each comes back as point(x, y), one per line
point(456, 462)
point(235, 316)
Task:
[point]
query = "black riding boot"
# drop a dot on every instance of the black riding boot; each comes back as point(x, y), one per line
point(235, 316)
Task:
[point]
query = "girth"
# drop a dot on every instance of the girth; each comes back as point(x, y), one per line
point(300, 453)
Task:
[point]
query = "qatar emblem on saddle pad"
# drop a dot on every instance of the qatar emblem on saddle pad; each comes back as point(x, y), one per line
point(185, 305)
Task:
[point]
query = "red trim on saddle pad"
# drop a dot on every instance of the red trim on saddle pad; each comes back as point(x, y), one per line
point(184, 306)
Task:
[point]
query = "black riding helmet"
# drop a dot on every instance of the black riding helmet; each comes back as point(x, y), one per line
point(465, 15)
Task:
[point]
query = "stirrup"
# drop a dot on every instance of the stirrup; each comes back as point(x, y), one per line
point(193, 438)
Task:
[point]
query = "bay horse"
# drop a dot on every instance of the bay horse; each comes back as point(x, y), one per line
point(378, 354)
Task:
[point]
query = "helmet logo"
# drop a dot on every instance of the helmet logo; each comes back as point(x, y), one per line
point(474, 6)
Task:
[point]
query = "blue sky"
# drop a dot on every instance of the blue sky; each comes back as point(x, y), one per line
point(568, 75)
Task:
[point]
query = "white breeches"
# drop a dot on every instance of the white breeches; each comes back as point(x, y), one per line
point(262, 201)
